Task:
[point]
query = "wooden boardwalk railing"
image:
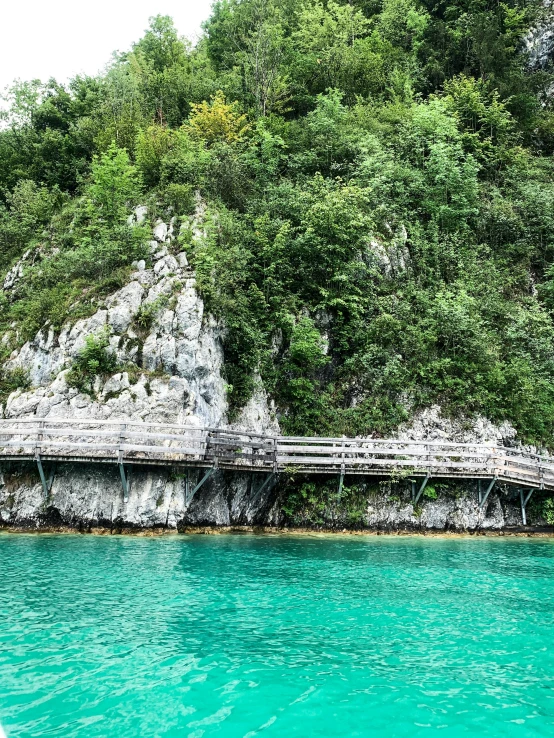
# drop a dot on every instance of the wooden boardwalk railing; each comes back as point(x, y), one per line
point(144, 443)
point(79, 440)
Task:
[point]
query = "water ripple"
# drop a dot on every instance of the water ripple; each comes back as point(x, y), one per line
point(238, 636)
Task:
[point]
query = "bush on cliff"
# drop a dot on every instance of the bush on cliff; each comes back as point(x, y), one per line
point(94, 360)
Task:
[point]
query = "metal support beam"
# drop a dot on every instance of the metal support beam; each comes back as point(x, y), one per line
point(38, 443)
point(187, 485)
point(484, 498)
point(420, 491)
point(46, 484)
point(195, 489)
point(342, 470)
point(524, 499)
point(124, 482)
point(261, 488)
point(51, 476)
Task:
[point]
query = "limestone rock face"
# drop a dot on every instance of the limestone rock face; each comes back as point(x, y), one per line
point(92, 495)
point(16, 273)
point(170, 357)
point(446, 513)
point(430, 425)
point(181, 347)
point(540, 42)
point(123, 307)
point(87, 495)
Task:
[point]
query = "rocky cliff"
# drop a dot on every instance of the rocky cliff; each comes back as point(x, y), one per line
point(87, 497)
point(540, 41)
point(170, 358)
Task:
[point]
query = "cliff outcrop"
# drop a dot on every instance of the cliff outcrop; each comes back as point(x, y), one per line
point(169, 358)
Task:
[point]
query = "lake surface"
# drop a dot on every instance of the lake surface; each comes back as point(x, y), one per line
point(240, 636)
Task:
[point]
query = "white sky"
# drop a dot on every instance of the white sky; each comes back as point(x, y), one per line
point(40, 39)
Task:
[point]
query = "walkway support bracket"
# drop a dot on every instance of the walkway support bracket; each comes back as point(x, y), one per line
point(190, 495)
point(261, 488)
point(484, 498)
point(524, 499)
point(46, 483)
point(342, 470)
point(122, 473)
point(415, 498)
point(124, 481)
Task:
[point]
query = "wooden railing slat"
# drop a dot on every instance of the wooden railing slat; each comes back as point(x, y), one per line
point(100, 440)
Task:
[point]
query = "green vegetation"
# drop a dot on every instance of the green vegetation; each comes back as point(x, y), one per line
point(147, 313)
point(11, 380)
point(379, 202)
point(541, 508)
point(548, 511)
point(321, 503)
point(95, 359)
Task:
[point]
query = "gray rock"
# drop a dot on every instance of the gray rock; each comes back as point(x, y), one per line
point(116, 384)
point(123, 306)
point(166, 265)
point(151, 353)
point(430, 425)
point(15, 273)
point(74, 341)
point(138, 217)
point(167, 353)
point(161, 231)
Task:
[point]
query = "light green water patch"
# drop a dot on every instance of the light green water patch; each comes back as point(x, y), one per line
point(239, 636)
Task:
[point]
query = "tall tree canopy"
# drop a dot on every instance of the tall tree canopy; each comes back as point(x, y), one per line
point(377, 189)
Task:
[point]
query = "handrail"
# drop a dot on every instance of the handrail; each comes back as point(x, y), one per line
point(129, 442)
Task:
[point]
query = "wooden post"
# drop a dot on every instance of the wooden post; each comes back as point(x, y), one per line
point(275, 461)
point(215, 438)
point(342, 469)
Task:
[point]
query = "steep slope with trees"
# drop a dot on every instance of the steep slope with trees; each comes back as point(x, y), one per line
point(375, 182)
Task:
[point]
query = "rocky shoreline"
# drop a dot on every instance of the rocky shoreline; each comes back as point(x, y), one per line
point(88, 497)
point(521, 532)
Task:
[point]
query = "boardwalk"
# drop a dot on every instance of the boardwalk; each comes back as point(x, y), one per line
point(78, 440)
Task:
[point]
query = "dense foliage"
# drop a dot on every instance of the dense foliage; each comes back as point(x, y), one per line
point(378, 193)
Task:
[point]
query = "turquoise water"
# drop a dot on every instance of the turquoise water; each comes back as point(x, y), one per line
point(240, 636)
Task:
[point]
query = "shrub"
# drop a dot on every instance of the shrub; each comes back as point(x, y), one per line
point(548, 510)
point(144, 319)
point(217, 121)
point(93, 360)
point(430, 492)
point(180, 198)
point(11, 380)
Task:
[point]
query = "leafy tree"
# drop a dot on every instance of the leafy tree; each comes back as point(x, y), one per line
point(217, 121)
point(114, 185)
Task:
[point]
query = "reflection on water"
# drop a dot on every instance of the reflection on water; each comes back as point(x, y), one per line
point(240, 635)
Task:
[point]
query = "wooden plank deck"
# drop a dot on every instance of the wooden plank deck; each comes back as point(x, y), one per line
point(95, 441)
